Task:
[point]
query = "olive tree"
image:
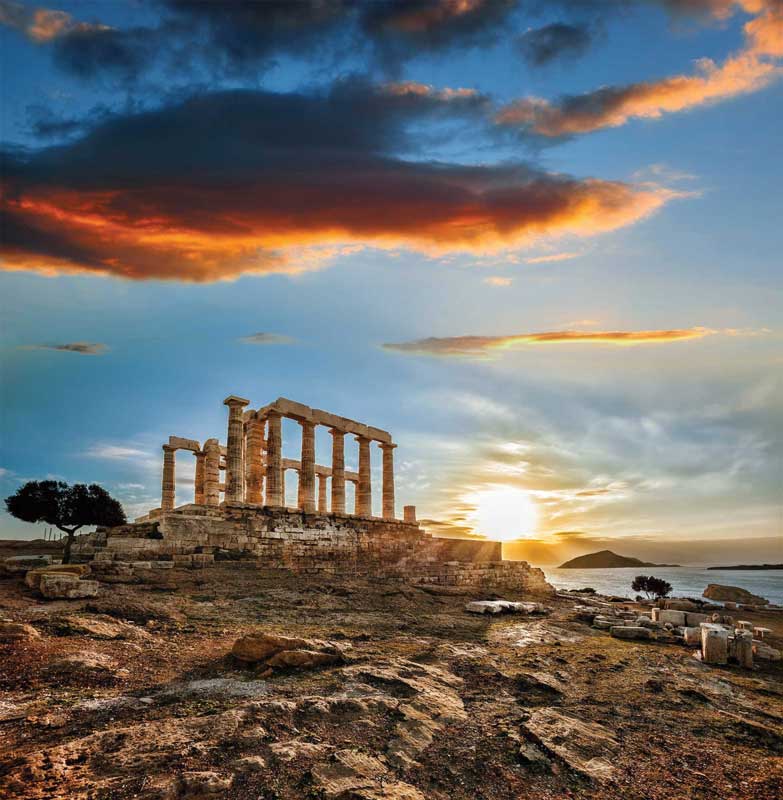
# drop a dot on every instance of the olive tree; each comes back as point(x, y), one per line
point(66, 507)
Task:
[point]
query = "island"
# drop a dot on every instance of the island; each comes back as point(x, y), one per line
point(606, 559)
point(751, 566)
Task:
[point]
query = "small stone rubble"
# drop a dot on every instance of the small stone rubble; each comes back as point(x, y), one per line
point(504, 607)
point(719, 638)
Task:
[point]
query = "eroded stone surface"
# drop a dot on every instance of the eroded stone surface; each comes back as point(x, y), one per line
point(585, 747)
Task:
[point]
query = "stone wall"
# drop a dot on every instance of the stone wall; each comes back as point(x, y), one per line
point(276, 540)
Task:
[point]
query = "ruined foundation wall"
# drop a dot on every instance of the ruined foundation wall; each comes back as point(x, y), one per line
point(275, 540)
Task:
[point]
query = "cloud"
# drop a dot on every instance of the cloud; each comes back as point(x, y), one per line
point(540, 46)
point(83, 348)
point(497, 280)
point(116, 452)
point(611, 106)
point(277, 172)
point(482, 346)
point(266, 338)
point(553, 257)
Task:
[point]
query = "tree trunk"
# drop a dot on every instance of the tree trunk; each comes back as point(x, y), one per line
point(68, 542)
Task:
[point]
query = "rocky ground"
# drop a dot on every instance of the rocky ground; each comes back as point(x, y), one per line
point(135, 694)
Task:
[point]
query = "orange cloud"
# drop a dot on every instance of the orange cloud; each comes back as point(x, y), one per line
point(273, 223)
point(483, 346)
point(611, 106)
point(42, 25)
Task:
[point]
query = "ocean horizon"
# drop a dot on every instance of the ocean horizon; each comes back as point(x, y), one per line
point(685, 581)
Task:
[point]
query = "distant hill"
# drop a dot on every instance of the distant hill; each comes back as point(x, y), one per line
point(606, 559)
point(751, 566)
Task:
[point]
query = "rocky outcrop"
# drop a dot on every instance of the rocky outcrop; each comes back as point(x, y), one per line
point(17, 632)
point(286, 651)
point(733, 594)
point(584, 747)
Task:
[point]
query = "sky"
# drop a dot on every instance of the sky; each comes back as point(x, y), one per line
point(538, 242)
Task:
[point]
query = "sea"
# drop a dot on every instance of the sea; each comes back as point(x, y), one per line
point(685, 581)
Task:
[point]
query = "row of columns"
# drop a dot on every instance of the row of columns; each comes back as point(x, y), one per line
point(245, 471)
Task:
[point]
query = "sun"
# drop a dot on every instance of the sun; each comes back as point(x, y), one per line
point(502, 513)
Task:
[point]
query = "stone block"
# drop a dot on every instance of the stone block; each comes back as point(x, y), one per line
point(34, 576)
point(25, 563)
point(676, 618)
point(692, 636)
point(714, 644)
point(59, 586)
point(693, 619)
point(631, 632)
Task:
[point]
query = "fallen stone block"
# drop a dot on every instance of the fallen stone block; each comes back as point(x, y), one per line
point(25, 563)
point(764, 652)
point(693, 620)
point(692, 636)
point(676, 618)
point(57, 586)
point(34, 576)
point(631, 632)
point(714, 644)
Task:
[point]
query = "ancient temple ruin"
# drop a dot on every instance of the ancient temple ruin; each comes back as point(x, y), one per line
point(254, 467)
point(240, 520)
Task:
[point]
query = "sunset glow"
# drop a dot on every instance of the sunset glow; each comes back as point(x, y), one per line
point(503, 513)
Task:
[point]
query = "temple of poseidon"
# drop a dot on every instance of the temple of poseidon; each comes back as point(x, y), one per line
point(239, 513)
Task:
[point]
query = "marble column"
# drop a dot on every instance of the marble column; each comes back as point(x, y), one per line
point(169, 478)
point(275, 484)
point(212, 469)
point(322, 507)
point(338, 471)
point(355, 484)
point(307, 472)
point(388, 480)
point(254, 444)
point(235, 445)
point(201, 468)
point(364, 494)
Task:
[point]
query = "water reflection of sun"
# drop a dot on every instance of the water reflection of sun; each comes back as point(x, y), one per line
point(502, 513)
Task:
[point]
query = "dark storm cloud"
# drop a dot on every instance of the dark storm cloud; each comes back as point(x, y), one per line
point(233, 182)
point(87, 51)
point(558, 40)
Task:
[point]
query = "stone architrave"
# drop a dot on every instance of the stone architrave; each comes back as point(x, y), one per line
point(254, 445)
point(199, 497)
point(322, 506)
point(388, 480)
point(235, 445)
point(212, 470)
point(364, 494)
point(275, 479)
point(338, 471)
point(307, 471)
point(169, 478)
